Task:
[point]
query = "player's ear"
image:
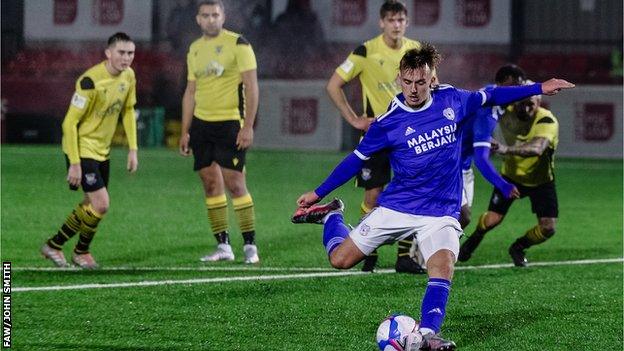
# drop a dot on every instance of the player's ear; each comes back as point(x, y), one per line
point(108, 52)
point(381, 24)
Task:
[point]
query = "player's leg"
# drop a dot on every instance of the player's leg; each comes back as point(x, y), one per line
point(370, 202)
point(497, 209)
point(217, 211)
point(438, 241)
point(93, 209)
point(203, 138)
point(467, 197)
point(545, 205)
point(232, 163)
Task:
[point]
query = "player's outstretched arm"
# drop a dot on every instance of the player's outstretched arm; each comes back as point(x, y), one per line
point(554, 85)
point(482, 161)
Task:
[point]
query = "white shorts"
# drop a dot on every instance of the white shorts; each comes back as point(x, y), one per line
point(384, 226)
point(468, 192)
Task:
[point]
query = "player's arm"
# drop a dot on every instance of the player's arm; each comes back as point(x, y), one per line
point(374, 140)
point(484, 125)
point(533, 147)
point(188, 105)
point(338, 97)
point(506, 95)
point(80, 104)
point(250, 84)
point(130, 127)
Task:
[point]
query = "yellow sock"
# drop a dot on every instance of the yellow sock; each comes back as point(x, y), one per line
point(364, 210)
point(535, 235)
point(90, 219)
point(217, 213)
point(244, 210)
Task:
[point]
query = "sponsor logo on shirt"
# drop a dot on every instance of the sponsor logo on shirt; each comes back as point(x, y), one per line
point(347, 66)
point(78, 100)
point(433, 139)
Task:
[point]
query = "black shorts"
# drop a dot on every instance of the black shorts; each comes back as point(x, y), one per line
point(543, 199)
point(94, 174)
point(376, 171)
point(216, 142)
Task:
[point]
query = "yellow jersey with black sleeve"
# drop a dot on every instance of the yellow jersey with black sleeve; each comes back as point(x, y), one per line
point(215, 64)
point(377, 65)
point(534, 170)
point(93, 113)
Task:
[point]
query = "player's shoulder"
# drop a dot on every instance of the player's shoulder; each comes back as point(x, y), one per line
point(129, 74)
point(395, 108)
point(88, 79)
point(234, 38)
point(364, 48)
point(411, 43)
point(443, 89)
point(545, 116)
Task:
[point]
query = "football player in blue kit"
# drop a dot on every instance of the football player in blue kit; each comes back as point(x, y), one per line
point(476, 144)
point(422, 131)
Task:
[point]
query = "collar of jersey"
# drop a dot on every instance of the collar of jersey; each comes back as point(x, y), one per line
point(409, 109)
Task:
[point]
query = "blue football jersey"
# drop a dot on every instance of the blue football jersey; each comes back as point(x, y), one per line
point(425, 151)
point(478, 130)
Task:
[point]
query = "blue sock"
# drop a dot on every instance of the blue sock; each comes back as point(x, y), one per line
point(433, 306)
point(334, 232)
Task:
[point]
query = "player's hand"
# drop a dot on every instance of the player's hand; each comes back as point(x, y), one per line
point(510, 191)
point(133, 161)
point(74, 175)
point(184, 144)
point(554, 85)
point(308, 199)
point(362, 122)
point(500, 149)
point(244, 138)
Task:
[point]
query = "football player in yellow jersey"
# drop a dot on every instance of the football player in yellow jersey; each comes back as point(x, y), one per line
point(531, 134)
point(103, 93)
point(218, 112)
point(376, 63)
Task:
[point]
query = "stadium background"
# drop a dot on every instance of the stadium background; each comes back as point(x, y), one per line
point(156, 228)
point(46, 44)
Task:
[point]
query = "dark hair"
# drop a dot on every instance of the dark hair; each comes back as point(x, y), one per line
point(119, 36)
point(509, 71)
point(210, 3)
point(392, 6)
point(418, 58)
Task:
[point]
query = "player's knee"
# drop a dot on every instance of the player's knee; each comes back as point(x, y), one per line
point(548, 230)
point(237, 189)
point(493, 219)
point(101, 207)
point(464, 218)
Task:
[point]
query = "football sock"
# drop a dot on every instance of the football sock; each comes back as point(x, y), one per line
point(532, 237)
point(334, 231)
point(433, 308)
point(217, 213)
point(244, 210)
point(70, 227)
point(364, 210)
point(90, 220)
point(481, 228)
point(404, 246)
point(223, 238)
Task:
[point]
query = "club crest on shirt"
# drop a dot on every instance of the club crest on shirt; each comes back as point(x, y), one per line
point(366, 173)
point(218, 49)
point(122, 87)
point(90, 178)
point(449, 113)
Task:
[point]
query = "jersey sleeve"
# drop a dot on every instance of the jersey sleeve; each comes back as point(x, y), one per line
point(546, 127)
point(245, 57)
point(353, 65)
point(484, 124)
point(81, 101)
point(471, 102)
point(129, 118)
point(190, 67)
point(374, 140)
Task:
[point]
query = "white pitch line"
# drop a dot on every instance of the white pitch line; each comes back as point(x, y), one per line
point(285, 276)
point(193, 269)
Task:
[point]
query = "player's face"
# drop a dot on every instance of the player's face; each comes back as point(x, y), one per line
point(526, 109)
point(120, 55)
point(393, 25)
point(416, 85)
point(210, 18)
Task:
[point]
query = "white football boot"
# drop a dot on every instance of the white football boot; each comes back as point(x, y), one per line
point(223, 253)
point(54, 255)
point(251, 254)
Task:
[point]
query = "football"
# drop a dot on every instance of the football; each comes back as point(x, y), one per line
point(393, 331)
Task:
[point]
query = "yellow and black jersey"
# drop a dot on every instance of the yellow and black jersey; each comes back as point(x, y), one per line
point(377, 65)
point(535, 170)
point(93, 113)
point(215, 65)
